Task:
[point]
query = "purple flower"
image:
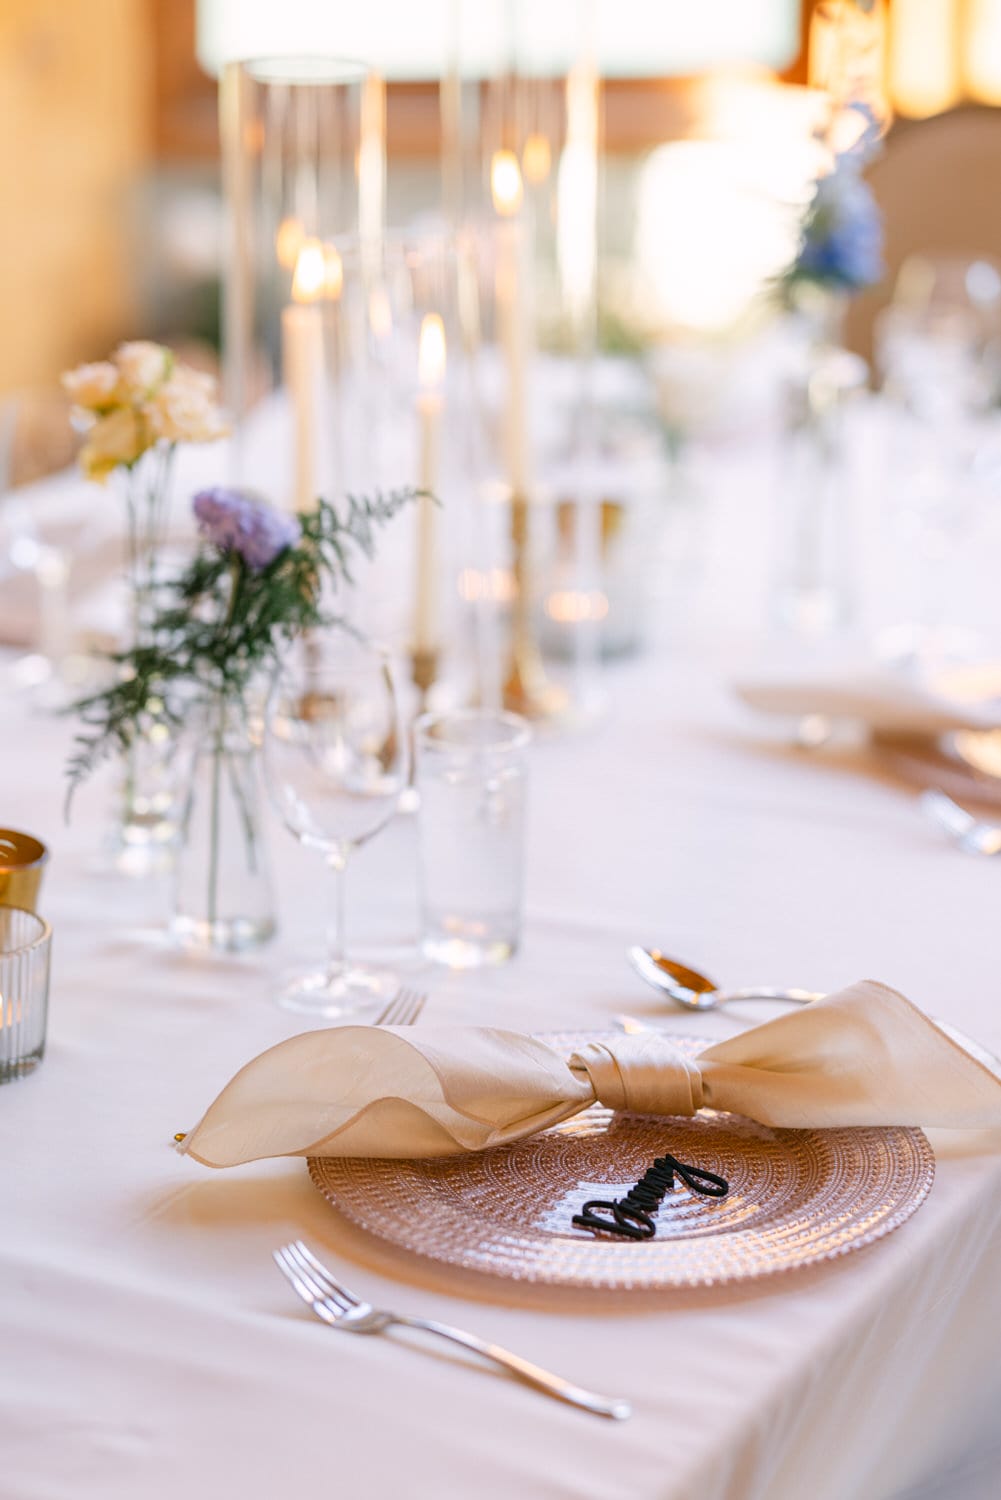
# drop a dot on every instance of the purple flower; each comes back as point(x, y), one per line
point(234, 522)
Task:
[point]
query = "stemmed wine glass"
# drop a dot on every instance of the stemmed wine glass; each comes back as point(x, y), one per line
point(335, 761)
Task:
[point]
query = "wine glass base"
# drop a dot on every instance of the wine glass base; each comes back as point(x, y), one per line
point(353, 991)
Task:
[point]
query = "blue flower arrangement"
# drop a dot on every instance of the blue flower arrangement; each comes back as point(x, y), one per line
point(841, 237)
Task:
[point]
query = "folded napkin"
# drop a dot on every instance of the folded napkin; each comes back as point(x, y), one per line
point(887, 702)
point(865, 1056)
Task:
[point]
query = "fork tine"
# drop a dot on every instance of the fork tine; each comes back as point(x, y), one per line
point(278, 1256)
point(403, 1010)
point(300, 1286)
point(317, 1287)
point(387, 1016)
point(335, 1289)
point(322, 1307)
point(316, 1275)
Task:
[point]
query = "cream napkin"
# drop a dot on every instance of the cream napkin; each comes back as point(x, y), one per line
point(865, 1056)
point(886, 702)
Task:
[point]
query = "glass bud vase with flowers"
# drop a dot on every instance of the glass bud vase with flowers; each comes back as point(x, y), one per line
point(133, 410)
point(256, 584)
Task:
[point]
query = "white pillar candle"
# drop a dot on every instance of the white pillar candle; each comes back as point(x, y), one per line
point(302, 361)
point(431, 373)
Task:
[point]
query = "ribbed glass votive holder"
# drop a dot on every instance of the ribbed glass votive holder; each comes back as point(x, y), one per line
point(25, 941)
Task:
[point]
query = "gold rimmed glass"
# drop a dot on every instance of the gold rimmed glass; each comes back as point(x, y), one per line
point(22, 861)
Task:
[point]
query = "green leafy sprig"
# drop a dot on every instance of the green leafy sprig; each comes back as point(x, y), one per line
point(223, 623)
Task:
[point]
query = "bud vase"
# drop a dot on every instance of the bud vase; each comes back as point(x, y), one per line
point(814, 587)
point(223, 898)
point(145, 829)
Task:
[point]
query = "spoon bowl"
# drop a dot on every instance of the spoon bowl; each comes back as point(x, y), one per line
point(695, 991)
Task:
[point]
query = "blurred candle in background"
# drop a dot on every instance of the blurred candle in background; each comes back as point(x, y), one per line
point(302, 358)
point(431, 375)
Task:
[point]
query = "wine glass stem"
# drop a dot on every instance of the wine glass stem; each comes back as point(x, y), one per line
point(337, 860)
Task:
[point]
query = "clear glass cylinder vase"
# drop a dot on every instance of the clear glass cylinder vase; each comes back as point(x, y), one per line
point(145, 828)
point(814, 585)
point(223, 899)
point(303, 143)
point(528, 145)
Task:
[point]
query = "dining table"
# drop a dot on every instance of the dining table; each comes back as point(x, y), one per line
point(150, 1347)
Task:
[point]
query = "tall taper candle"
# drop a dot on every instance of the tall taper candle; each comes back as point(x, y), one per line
point(302, 360)
point(431, 373)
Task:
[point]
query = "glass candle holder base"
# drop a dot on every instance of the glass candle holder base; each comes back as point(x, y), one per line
point(471, 948)
point(233, 935)
point(24, 991)
point(332, 995)
point(139, 860)
point(21, 1067)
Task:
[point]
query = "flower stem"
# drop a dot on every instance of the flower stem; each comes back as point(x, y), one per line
point(218, 751)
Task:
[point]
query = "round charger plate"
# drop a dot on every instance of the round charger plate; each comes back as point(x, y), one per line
point(796, 1197)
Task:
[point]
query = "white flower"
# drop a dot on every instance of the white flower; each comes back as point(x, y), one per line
point(114, 440)
point(184, 409)
point(143, 367)
point(93, 387)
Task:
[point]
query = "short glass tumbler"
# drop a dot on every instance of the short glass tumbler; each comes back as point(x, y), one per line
point(471, 776)
point(24, 991)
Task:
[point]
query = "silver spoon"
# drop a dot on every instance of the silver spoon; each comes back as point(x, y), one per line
point(693, 990)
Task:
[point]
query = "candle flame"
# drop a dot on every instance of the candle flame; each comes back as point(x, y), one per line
point(289, 241)
point(573, 606)
point(333, 272)
point(536, 158)
point(505, 183)
point(431, 352)
point(310, 272)
point(496, 584)
point(380, 314)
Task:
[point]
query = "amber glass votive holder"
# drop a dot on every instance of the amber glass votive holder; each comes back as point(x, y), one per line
point(22, 861)
point(25, 941)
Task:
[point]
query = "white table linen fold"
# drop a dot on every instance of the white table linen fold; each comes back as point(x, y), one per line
point(885, 702)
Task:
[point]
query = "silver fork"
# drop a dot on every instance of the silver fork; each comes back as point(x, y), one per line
point(971, 834)
point(403, 1010)
point(333, 1304)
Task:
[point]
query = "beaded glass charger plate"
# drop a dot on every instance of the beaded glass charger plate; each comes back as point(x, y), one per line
point(796, 1197)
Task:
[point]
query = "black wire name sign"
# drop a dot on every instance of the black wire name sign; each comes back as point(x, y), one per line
point(632, 1216)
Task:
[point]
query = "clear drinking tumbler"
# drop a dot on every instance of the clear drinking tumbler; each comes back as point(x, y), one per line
point(471, 776)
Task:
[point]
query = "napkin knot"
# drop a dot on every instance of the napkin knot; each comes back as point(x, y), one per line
point(645, 1074)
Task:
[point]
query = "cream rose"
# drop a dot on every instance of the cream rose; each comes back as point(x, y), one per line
point(114, 440)
point(184, 410)
point(92, 387)
point(143, 367)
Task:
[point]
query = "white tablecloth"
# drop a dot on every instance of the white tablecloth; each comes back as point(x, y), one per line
point(150, 1348)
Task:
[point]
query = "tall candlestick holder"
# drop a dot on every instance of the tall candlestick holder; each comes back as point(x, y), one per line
point(526, 688)
point(424, 667)
point(538, 145)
